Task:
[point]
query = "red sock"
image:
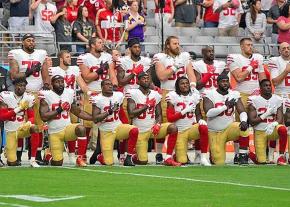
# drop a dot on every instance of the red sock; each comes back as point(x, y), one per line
point(282, 131)
point(171, 141)
point(236, 141)
point(160, 140)
point(100, 158)
point(272, 143)
point(40, 139)
point(122, 146)
point(132, 140)
point(82, 145)
point(244, 142)
point(123, 117)
point(71, 145)
point(34, 143)
point(203, 133)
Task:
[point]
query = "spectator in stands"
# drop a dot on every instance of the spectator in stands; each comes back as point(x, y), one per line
point(135, 23)
point(185, 13)
point(72, 10)
point(210, 19)
point(83, 29)
point(93, 7)
point(142, 6)
point(168, 13)
point(43, 12)
point(265, 6)
point(63, 28)
point(283, 23)
point(246, 8)
point(230, 15)
point(273, 15)
point(104, 18)
point(256, 22)
point(59, 3)
point(6, 12)
point(19, 15)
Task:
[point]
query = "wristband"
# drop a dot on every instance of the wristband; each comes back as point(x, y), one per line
point(249, 69)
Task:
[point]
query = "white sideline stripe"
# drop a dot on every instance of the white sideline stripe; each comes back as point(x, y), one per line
point(39, 198)
point(12, 204)
point(181, 178)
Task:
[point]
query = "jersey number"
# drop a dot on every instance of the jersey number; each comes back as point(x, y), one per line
point(102, 76)
point(253, 75)
point(229, 12)
point(263, 110)
point(180, 72)
point(63, 114)
point(150, 111)
point(29, 63)
point(114, 116)
point(46, 15)
point(189, 115)
point(19, 117)
point(227, 112)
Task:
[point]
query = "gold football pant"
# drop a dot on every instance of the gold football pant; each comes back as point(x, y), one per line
point(37, 119)
point(12, 141)
point(164, 105)
point(261, 141)
point(244, 99)
point(182, 140)
point(87, 107)
point(142, 142)
point(108, 139)
point(56, 141)
point(217, 141)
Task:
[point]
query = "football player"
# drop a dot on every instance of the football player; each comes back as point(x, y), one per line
point(33, 64)
point(94, 67)
point(72, 77)
point(183, 109)
point(106, 108)
point(169, 66)
point(144, 108)
point(280, 73)
point(247, 69)
point(13, 110)
point(220, 106)
point(266, 116)
point(55, 106)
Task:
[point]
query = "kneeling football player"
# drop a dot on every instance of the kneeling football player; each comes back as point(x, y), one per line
point(144, 108)
point(183, 109)
point(220, 105)
point(106, 107)
point(55, 108)
point(13, 109)
point(266, 116)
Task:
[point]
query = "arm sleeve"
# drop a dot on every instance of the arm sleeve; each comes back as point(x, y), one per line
point(172, 115)
point(216, 111)
point(6, 115)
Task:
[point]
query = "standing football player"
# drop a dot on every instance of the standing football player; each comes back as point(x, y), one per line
point(169, 66)
point(220, 106)
point(266, 116)
point(94, 67)
point(247, 69)
point(183, 109)
point(106, 108)
point(144, 108)
point(13, 109)
point(33, 64)
point(55, 106)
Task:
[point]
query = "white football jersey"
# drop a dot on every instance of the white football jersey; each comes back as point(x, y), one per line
point(276, 66)
point(42, 17)
point(104, 103)
point(229, 16)
point(261, 105)
point(181, 60)
point(146, 120)
point(25, 61)
point(180, 102)
point(128, 64)
point(52, 99)
point(251, 83)
point(11, 100)
point(201, 67)
point(93, 63)
point(223, 120)
point(70, 75)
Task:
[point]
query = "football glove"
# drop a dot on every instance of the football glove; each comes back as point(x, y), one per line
point(155, 129)
point(202, 122)
point(23, 105)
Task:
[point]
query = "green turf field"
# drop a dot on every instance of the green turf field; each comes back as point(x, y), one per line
point(148, 186)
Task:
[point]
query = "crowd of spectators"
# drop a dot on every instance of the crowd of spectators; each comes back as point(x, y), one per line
point(121, 20)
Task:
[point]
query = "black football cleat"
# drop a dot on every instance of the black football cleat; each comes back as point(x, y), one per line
point(159, 159)
point(128, 161)
point(236, 159)
point(243, 159)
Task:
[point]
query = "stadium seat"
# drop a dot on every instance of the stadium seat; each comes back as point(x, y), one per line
point(150, 22)
point(189, 31)
point(223, 51)
point(209, 31)
point(207, 40)
point(152, 49)
point(241, 32)
point(153, 39)
point(185, 39)
point(234, 49)
point(150, 5)
point(150, 13)
point(171, 31)
point(150, 31)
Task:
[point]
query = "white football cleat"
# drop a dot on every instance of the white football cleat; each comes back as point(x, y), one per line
point(204, 162)
point(197, 157)
point(34, 164)
point(72, 159)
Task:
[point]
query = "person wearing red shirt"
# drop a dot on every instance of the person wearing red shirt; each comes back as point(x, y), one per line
point(104, 19)
point(72, 10)
point(93, 7)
